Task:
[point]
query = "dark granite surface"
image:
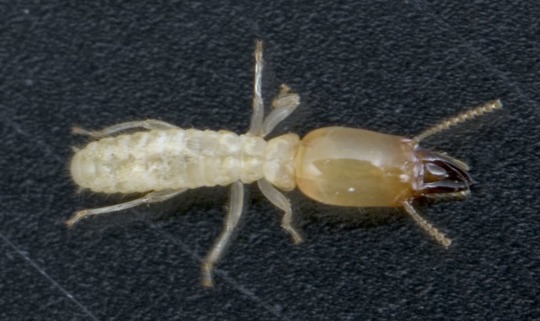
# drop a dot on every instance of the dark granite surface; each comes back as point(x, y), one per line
point(391, 66)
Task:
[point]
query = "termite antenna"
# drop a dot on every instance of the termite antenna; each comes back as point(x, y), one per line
point(426, 226)
point(460, 118)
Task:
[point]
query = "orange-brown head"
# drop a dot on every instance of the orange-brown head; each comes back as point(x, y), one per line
point(356, 167)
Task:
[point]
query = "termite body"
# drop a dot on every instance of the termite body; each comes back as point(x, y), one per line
point(174, 159)
point(334, 165)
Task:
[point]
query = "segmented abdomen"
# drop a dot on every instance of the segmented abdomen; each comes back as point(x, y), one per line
point(168, 159)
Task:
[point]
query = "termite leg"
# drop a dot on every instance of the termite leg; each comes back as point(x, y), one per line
point(430, 229)
point(284, 105)
point(279, 200)
point(152, 197)
point(107, 131)
point(258, 104)
point(231, 221)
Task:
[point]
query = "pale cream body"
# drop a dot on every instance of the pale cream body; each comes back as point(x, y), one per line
point(158, 160)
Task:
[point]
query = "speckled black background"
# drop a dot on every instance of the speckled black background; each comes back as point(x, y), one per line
point(392, 66)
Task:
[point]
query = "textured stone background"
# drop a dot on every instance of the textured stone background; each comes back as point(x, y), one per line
point(392, 66)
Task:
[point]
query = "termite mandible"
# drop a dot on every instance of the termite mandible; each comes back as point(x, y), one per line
point(334, 165)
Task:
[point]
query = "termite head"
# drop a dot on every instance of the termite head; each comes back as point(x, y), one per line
point(441, 175)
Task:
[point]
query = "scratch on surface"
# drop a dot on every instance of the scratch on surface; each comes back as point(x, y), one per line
point(424, 8)
point(48, 277)
point(242, 289)
point(46, 147)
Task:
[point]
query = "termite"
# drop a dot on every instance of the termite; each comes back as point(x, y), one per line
point(333, 165)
